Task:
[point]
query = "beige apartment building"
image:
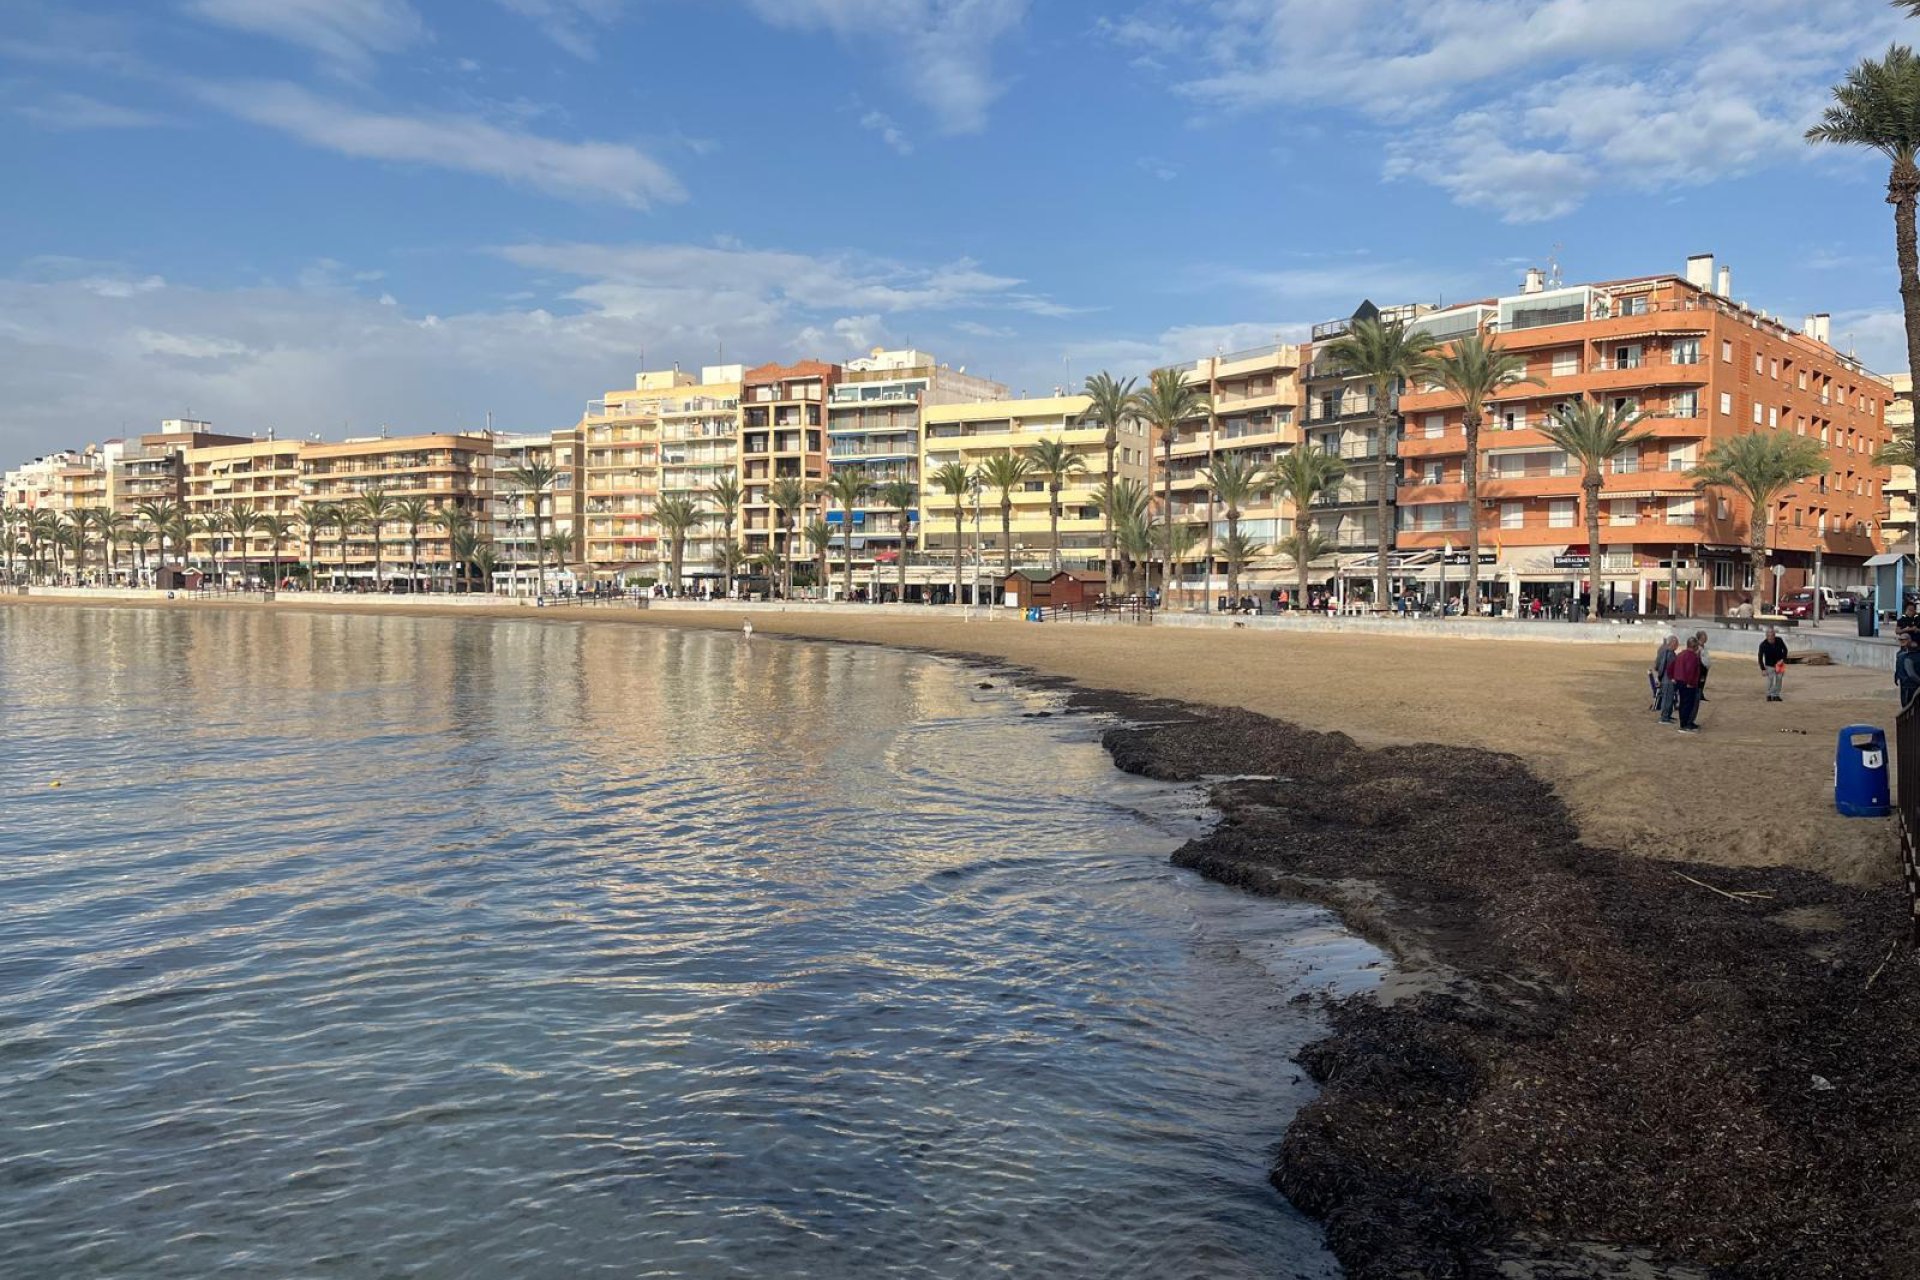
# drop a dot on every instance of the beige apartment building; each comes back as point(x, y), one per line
point(512, 506)
point(699, 446)
point(1255, 400)
point(973, 433)
point(252, 479)
point(449, 469)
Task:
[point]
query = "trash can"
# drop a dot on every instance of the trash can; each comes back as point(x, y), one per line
point(1860, 786)
point(1034, 613)
point(1869, 622)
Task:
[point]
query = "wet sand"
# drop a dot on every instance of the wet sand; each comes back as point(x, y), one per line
point(1655, 1013)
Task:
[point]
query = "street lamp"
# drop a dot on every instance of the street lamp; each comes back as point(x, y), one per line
point(1446, 554)
point(974, 489)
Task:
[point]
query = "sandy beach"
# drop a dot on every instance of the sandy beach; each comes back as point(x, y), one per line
point(1654, 1009)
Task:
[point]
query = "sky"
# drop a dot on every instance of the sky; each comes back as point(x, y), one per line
point(326, 217)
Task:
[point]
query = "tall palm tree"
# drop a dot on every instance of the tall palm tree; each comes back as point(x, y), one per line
point(1168, 401)
point(463, 545)
point(819, 536)
point(242, 522)
point(1237, 549)
point(43, 528)
point(725, 495)
point(1006, 471)
point(214, 525)
point(320, 516)
point(1125, 504)
point(1384, 354)
point(486, 562)
point(1305, 545)
point(902, 496)
point(413, 513)
point(1595, 435)
point(1234, 481)
point(956, 479)
point(1474, 370)
point(376, 509)
point(1878, 106)
point(83, 519)
point(676, 514)
point(1300, 476)
point(455, 521)
point(1180, 541)
point(114, 527)
point(560, 547)
point(68, 536)
point(787, 494)
point(1055, 462)
point(1760, 468)
point(180, 530)
point(277, 528)
point(846, 487)
point(1114, 403)
point(534, 479)
point(140, 536)
point(159, 517)
point(732, 556)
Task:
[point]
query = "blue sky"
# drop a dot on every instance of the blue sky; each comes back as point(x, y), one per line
point(319, 215)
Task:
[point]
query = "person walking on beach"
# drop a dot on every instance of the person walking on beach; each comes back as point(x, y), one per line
point(1706, 661)
point(1906, 667)
point(1662, 676)
point(1687, 674)
point(1773, 664)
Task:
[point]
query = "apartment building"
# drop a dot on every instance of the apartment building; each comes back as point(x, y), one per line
point(152, 468)
point(973, 433)
point(1897, 523)
point(260, 477)
point(620, 465)
point(448, 469)
point(874, 423)
point(782, 436)
point(1702, 367)
point(512, 509)
point(1255, 406)
point(699, 446)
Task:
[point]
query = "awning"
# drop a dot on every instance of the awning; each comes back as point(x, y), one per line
point(1885, 557)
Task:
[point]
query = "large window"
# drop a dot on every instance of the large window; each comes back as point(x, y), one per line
point(1513, 515)
point(1560, 513)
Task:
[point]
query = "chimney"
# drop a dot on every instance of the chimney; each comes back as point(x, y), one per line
point(1536, 281)
point(1726, 282)
point(1823, 328)
point(1700, 272)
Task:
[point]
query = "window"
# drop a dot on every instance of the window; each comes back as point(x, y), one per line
point(1684, 405)
point(1560, 513)
point(1622, 510)
point(1513, 419)
point(1566, 362)
point(1434, 472)
point(1773, 369)
point(1686, 351)
point(1513, 515)
point(1723, 574)
point(1759, 363)
point(1773, 417)
point(1680, 455)
point(1436, 425)
point(1636, 306)
point(1680, 510)
point(1726, 351)
point(1726, 402)
point(1756, 413)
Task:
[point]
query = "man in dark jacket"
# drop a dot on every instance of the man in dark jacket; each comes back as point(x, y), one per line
point(1662, 676)
point(1687, 674)
point(1773, 663)
point(1906, 667)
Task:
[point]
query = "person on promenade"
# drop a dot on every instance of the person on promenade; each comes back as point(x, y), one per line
point(1662, 676)
point(1906, 667)
point(1706, 660)
point(1773, 664)
point(1687, 674)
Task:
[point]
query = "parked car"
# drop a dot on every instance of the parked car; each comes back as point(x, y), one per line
point(1854, 601)
point(1800, 603)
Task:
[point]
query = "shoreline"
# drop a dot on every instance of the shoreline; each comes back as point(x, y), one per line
point(1593, 1063)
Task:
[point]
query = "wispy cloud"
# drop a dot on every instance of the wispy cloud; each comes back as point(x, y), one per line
point(890, 132)
point(578, 170)
point(346, 32)
point(571, 24)
point(76, 111)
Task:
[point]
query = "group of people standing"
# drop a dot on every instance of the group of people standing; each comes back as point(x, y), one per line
point(1679, 676)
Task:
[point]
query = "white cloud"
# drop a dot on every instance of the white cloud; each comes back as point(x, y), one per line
point(942, 49)
point(890, 132)
point(186, 346)
point(347, 32)
point(120, 286)
point(569, 23)
point(75, 111)
point(1526, 107)
point(579, 170)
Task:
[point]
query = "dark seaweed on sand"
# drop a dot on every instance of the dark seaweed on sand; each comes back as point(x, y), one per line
point(1634, 1067)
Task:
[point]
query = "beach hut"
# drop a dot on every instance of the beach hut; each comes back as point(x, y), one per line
point(1067, 589)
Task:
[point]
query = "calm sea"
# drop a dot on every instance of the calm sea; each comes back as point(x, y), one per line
point(357, 946)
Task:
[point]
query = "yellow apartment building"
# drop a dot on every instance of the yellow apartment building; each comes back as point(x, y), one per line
point(699, 445)
point(620, 466)
point(973, 433)
point(512, 504)
point(260, 477)
point(449, 469)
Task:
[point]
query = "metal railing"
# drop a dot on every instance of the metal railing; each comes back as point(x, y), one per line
point(1906, 803)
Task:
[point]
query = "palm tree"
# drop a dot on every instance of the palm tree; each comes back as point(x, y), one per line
point(732, 556)
point(1125, 502)
point(819, 536)
point(1237, 548)
point(1878, 106)
point(140, 535)
point(454, 521)
point(159, 516)
point(1305, 545)
point(242, 522)
point(1113, 404)
point(726, 496)
point(486, 562)
point(846, 487)
point(1180, 540)
point(560, 547)
point(319, 516)
point(278, 528)
point(1759, 468)
point(676, 514)
point(1006, 471)
point(43, 529)
point(902, 495)
point(83, 519)
point(1235, 481)
point(376, 509)
point(1135, 536)
point(68, 536)
point(1168, 401)
point(1385, 354)
point(535, 479)
point(1302, 475)
point(1595, 435)
point(1055, 462)
point(214, 525)
point(956, 479)
point(1474, 371)
point(180, 530)
point(787, 494)
point(413, 512)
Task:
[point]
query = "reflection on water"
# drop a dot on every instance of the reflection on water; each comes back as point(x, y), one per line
point(379, 946)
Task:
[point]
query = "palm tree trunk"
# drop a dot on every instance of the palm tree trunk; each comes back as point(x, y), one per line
point(1053, 516)
point(905, 526)
point(1592, 486)
point(1383, 536)
point(1903, 185)
point(1166, 503)
point(846, 535)
point(1006, 537)
point(959, 543)
point(1107, 514)
point(1471, 607)
point(1300, 562)
point(1759, 554)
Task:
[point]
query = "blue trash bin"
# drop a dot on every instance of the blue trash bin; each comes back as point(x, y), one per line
point(1860, 781)
point(1035, 613)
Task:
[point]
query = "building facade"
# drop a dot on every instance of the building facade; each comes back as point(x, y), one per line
point(446, 470)
point(699, 447)
point(1897, 522)
point(782, 437)
point(1701, 368)
point(252, 479)
point(516, 530)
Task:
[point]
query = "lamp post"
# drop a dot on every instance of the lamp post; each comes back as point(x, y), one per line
point(974, 490)
point(1446, 554)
